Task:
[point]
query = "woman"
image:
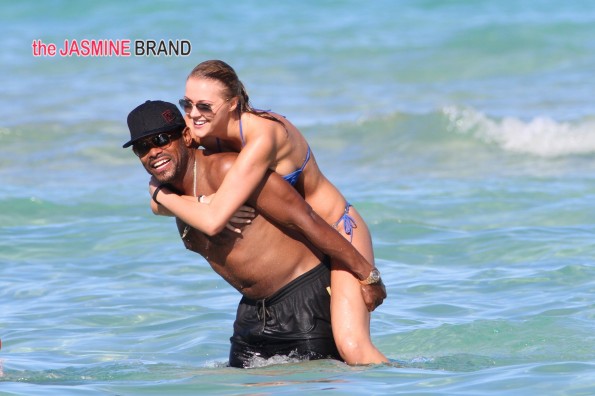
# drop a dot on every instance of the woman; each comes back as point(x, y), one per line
point(220, 117)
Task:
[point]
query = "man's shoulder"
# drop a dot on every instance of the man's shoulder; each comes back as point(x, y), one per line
point(219, 163)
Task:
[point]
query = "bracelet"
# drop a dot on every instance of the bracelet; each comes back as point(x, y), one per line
point(200, 198)
point(159, 187)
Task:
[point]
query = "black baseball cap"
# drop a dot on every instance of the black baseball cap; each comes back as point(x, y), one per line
point(153, 117)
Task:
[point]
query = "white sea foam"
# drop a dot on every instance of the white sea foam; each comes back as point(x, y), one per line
point(540, 136)
point(258, 361)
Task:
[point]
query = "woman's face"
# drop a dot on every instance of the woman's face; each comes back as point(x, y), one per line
point(205, 106)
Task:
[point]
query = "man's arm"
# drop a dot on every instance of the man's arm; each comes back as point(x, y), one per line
point(281, 203)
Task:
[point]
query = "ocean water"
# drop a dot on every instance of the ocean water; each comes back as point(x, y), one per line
point(464, 132)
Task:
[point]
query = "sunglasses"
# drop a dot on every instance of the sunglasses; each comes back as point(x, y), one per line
point(142, 147)
point(205, 109)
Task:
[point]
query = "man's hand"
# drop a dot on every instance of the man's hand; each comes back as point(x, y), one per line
point(373, 295)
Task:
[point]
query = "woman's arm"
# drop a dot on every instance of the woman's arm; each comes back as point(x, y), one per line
point(160, 209)
point(240, 181)
point(243, 215)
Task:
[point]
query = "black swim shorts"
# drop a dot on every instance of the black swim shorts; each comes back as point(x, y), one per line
point(295, 322)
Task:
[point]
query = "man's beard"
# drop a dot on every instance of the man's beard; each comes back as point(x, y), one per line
point(167, 177)
point(175, 175)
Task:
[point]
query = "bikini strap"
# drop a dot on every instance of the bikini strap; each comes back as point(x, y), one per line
point(306, 160)
point(348, 222)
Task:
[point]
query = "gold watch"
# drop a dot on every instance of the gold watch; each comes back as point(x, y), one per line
point(374, 277)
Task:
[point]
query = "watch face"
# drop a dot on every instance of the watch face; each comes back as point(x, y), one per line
point(375, 275)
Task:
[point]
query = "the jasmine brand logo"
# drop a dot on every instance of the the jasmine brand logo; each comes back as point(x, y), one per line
point(109, 47)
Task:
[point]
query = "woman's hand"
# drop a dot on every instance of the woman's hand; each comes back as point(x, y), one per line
point(242, 216)
point(157, 209)
point(153, 184)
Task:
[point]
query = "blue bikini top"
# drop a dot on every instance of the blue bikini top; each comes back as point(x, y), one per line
point(291, 178)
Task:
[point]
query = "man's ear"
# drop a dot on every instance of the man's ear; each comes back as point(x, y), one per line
point(187, 136)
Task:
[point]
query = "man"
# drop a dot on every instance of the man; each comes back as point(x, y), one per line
point(278, 263)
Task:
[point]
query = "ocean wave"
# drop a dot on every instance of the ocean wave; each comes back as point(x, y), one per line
point(540, 136)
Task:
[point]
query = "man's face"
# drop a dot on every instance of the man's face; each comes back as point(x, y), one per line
point(164, 156)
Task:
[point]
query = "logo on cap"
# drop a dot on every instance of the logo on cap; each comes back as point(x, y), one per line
point(168, 116)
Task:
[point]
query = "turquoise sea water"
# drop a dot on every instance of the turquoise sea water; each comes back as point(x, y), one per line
point(464, 132)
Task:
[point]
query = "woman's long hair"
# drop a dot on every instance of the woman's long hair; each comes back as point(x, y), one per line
point(220, 71)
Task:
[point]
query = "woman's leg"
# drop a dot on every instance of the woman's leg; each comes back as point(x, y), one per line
point(349, 316)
